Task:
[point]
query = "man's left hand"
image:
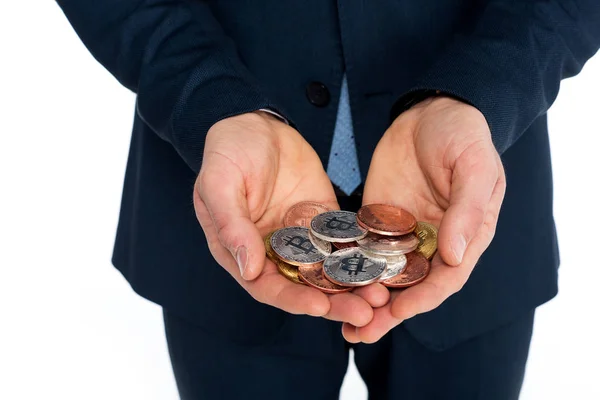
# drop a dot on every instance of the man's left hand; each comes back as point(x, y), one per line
point(437, 161)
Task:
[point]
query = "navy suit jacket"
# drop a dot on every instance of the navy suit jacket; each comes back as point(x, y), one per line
point(192, 63)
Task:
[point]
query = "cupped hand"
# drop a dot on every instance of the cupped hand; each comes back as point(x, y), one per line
point(254, 169)
point(437, 161)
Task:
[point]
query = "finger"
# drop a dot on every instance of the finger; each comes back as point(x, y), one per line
point(488, 230)
point(210, 233)
point(474, 177)
point(349, 333)
point(498, 193)
point(269, 287)
point(383, 321)
point(222, 189)
point(442, 281)
point(375, 294)
point(348, 307)
point(273, 289)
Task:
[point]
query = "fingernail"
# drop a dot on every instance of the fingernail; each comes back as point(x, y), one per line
point(242, 259)
point(459, 244)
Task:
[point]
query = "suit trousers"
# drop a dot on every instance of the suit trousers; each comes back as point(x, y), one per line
point(309, 357)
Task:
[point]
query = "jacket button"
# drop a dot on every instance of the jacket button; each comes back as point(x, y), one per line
point(318, 94)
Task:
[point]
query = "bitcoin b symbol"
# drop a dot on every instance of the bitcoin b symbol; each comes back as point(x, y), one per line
point(338, 224)
point(422, 236)
point(303, 244)
point(354, 264)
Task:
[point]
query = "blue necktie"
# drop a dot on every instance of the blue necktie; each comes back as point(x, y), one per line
point(343, 169)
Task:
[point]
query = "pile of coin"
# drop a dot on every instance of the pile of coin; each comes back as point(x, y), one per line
point(335, 251)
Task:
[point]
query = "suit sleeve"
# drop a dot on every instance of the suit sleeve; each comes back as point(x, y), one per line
point(175, 56)
point(510, 64)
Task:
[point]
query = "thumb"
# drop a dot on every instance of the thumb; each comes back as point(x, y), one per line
point(222, 189)
point(474, 177)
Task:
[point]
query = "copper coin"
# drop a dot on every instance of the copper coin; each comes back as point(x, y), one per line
point(386, 220)
point(302, 213)
point(340, 245)
point(388, 245)
point(417, 268)
point(313, 276)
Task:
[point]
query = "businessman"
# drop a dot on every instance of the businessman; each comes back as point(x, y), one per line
point(245, 108)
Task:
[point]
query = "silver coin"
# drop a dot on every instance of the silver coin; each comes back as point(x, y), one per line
point(293, 246)
point(352, 267)
point(320, 244)
point(337, 226)
point(395, 266)
point(388, 245)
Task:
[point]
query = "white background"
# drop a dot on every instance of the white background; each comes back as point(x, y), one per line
point(71, 328)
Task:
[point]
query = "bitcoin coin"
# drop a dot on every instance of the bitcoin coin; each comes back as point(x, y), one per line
point(337, 226)
point(417, 268)
point(395, 265)
point(289, 271)
point(352, 267)
point(321, 245)
point(313, 276)
point(386, 220)
point(388, 245)
point(427, 235)
point(302, 213)
point(293, 246)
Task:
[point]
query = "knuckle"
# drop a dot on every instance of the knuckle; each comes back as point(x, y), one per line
point(488, 233)
point(226, 232)
point(203, 181)
point(478, 211)
point(213, 246)
point(208, 180)
point(199, 205)
point(478, 159)
point(470, 153)
point(477, 208)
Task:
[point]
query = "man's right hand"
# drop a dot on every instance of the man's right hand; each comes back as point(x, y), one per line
point(255, 168)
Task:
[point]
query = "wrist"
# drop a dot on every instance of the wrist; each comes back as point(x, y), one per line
point(421, 97)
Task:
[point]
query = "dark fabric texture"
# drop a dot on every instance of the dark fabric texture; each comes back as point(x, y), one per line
point(306, 358)
point(193, 63)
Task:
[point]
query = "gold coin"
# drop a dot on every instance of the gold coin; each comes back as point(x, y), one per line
point(269, 250)
point(289, 271)
point(427, 235)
